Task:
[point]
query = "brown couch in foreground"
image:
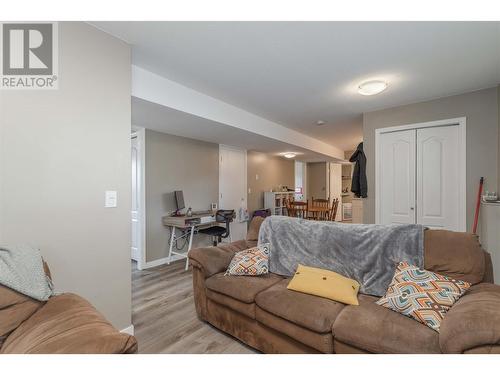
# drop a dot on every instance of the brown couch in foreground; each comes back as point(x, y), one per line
point(263, 313)
point(66, 323)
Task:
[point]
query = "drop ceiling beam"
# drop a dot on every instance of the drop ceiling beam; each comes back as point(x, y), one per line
point(157, 89)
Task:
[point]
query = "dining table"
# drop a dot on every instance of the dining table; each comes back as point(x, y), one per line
point(318, 211)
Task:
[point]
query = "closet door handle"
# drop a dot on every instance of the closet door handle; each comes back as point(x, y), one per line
point(412, 208)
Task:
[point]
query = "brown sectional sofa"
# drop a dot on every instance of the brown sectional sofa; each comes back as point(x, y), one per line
point(263, 313)
point(66, 323)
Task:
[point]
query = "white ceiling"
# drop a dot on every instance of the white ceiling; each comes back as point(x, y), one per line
point(167, 120)
point(295, 73)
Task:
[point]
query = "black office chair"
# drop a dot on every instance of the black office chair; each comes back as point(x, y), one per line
point(220, 232)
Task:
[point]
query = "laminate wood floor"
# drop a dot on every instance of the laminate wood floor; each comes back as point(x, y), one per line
point(164, 315)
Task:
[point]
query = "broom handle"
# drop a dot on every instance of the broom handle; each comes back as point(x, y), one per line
point(478, 205)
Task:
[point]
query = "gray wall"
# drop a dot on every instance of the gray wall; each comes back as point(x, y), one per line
point(177, 163)
point(481, 110)
point(498, 98)
point(272, 171)
point(316, 180)
point(59, 151)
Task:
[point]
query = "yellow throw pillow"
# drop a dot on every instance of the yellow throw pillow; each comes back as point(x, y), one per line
point(325, 284)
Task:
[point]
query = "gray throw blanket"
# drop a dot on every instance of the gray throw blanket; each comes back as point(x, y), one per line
point(21, 269)
point(367, 253)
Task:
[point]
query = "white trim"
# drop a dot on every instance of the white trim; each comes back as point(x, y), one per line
point(140, 133)
point(430, 124)
point(128, 330)
point(461, 122)
point(161, 261)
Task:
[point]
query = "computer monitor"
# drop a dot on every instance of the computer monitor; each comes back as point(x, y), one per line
point(179, 199)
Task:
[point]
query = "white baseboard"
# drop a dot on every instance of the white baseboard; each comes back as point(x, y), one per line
point(161, 261)
point(129, 330)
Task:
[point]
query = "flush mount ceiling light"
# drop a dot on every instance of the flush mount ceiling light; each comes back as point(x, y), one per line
point(289, 155)
point(320, 122)
point(372, 87)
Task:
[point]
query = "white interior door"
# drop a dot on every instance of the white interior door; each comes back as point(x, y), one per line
point(233, 187)
point(336, 187)
point(396, 182)
point(135, 200)
point(300, 180)
point(438, 182)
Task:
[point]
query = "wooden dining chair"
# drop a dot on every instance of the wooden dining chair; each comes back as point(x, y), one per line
point(333, 210)
point(299, 209)
point(320, 203)
point(287, 203)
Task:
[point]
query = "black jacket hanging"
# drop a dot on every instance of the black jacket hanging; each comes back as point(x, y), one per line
point(359, 184)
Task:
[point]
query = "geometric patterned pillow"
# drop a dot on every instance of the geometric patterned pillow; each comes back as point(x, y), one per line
point(250, 262)
point(422, 295)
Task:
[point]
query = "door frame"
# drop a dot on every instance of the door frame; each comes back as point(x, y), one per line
point(140, 133)
point(245, 153)
point(461, 122)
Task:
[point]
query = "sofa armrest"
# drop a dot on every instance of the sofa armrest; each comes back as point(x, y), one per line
point(473, 321)
point(67, 323)
point(235, 246)
point(210, 260)
point(488, 268)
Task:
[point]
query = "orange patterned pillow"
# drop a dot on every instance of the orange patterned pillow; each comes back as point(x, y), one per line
point(250, 262)
point(422, 295)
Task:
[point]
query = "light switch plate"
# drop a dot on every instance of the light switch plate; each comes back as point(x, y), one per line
point(110, 198)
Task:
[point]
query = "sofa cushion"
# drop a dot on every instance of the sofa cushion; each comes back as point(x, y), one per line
point(68, 324)
point(247, 309)
point(376, 329)
point(253, 228)
point(314, 313)
point(322, 342)
point(343, 348)
point(253, 231)
point(242, 288)
point(454, 254)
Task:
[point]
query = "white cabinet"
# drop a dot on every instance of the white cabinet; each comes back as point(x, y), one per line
point(275, 201)
point(421, 177)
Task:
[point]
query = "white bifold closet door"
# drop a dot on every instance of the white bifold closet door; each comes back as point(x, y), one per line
point(438, 177)
point(397, 177)
point(419, 177)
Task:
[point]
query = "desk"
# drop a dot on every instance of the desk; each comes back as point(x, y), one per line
point(188, 226)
